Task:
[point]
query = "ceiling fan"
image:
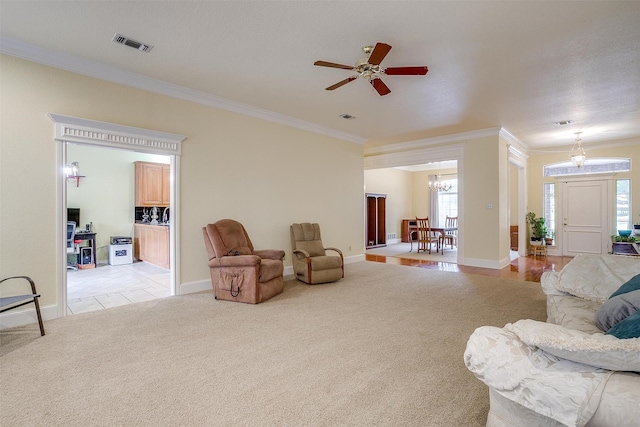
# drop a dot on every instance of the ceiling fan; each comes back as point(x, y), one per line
point(370, 69)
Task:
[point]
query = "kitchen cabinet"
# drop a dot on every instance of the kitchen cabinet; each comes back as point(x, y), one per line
point(151, 244)
point(152, 184)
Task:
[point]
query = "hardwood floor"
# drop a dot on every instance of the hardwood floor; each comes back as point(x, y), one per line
point(524, 268)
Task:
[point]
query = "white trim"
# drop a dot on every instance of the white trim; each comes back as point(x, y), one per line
point(103, 134)
point(421, 143)
point(86, 67)
point(414, 157)
point(11, 319)
point(483, 263)
point(75, 129)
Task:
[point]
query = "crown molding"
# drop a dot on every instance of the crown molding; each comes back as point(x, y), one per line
point(437, 140)
point(101, 71)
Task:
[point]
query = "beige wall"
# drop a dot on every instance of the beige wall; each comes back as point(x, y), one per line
point(263, 174)
point(396, 184)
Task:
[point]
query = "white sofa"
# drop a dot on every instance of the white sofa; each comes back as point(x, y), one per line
point(565, 371)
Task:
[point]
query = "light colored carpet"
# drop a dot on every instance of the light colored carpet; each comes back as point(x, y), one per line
point(382, 347)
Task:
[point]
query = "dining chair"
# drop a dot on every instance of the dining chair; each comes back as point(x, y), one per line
point(425, 235)
point(451, 236)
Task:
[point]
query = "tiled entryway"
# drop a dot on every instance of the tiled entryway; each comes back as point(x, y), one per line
point(114, 285)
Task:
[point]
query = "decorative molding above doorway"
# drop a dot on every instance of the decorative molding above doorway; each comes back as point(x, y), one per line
point(75, 129)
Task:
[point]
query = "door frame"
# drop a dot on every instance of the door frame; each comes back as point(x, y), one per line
point(560, 204)
point(103, 134)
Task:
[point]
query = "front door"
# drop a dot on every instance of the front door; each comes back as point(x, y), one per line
point(585, 217)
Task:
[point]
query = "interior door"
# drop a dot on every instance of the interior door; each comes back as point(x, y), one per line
point(585, 208)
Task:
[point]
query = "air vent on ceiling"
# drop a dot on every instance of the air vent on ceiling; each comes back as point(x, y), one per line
point(347, 116)
point(119, 38)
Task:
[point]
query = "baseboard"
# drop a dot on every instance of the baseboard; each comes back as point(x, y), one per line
point(205, 285)
point(354, 258)
point(484, 263)
point(12, 319)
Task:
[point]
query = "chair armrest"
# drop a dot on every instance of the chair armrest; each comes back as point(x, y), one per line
point(301, 252)
point(235, 261)
point(334, 249)
point(277, 254)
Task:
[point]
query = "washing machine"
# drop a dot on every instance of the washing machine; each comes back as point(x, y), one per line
point(120, 250)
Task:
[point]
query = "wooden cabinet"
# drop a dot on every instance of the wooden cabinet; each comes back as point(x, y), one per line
point(376, 220)
point(514, 237)
point(152, 187)
point(151, 244)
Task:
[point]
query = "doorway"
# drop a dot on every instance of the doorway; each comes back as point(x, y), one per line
point(74, 130)
point(102, 201)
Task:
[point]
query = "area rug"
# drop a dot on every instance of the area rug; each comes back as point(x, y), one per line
point(382, 347)
point(408, 251)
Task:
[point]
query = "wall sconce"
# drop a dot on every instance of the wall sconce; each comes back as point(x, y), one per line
point(72, 172)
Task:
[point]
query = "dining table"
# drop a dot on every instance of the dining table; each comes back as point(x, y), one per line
point(413, 231)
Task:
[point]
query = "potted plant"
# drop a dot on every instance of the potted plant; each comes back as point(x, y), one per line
point(624, 245)
point(549, 239)
point(538, 228)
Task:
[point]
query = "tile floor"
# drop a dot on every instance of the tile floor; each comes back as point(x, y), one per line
point(114, 285)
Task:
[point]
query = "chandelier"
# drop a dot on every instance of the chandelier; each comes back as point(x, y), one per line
point(438, 186)
point(577, 154)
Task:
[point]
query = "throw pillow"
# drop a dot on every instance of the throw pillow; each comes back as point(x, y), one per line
point(599, 350)
point(628, 328)
point(632, 285)
point(616, 309)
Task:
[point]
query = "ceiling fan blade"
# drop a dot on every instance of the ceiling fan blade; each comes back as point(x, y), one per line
point(406, 71)
point(378, 54)
point(333, 65)
point(380, 87)
point(342, 83)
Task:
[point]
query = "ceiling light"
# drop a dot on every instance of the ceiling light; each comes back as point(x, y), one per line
point(577, 154)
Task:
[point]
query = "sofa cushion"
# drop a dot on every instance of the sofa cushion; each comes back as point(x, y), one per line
point(603, 351)
point(632, 285)
point(314, 247)
point(596, 277)
point(616, 309)
point(628, 328)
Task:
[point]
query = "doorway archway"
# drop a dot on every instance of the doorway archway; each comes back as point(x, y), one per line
point(89, 132)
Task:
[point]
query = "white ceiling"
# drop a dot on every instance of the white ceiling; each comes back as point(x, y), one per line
point(520, 65)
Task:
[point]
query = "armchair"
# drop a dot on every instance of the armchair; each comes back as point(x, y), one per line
point(311, 264)
point(238, 272)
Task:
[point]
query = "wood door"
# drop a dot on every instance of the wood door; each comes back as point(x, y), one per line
point(585, 214)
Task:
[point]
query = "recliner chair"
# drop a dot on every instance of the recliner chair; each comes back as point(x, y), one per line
point(238, 272)
point(311, 264)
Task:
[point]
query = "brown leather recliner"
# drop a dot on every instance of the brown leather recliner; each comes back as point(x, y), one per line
point(238, 272)
point(311, 264)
